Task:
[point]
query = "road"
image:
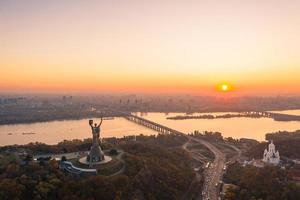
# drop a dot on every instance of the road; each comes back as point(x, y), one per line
point(238, 155)
point(196, 181)
point(213, 173)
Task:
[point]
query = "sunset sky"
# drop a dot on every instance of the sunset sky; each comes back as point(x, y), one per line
point(150, 46)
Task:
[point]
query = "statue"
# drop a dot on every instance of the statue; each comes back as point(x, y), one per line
point(95, 128)
point(96, 154)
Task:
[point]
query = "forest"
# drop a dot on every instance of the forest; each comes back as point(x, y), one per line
point(252, 183)
point(155, 169)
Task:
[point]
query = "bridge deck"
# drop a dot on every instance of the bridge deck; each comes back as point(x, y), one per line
point(152, 125)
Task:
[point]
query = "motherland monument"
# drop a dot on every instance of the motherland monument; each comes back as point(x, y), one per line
point(96, 154)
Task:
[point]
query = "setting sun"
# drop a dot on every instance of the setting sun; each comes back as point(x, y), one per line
point(224, 87)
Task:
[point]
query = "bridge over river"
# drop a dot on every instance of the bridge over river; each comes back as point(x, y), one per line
point(275, 116)
point(213, 174)
point(152, 125)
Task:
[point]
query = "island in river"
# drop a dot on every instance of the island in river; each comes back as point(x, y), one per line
point(275, 116)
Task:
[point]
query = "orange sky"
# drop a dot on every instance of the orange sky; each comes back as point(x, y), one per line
point(150, 46)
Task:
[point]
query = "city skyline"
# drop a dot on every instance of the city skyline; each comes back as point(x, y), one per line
point(150, 47)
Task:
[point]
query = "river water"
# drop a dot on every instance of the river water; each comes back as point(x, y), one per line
point(56, 131)
point(240, 127)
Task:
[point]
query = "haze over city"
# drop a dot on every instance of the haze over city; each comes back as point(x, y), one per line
point(157, 47)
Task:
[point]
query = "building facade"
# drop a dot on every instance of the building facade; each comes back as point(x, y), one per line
point(271, 156)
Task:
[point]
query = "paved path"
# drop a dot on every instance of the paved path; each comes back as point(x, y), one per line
point(196, 154)
point(120, 157)
point(237, 157)
point(79, 154)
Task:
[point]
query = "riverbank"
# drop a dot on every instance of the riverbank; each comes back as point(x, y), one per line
point(56, 118)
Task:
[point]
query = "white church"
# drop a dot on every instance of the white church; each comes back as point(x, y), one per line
point(271, 156)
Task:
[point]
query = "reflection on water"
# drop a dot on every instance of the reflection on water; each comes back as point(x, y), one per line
point(53, 132)
point(56, 131)
point(241, 127)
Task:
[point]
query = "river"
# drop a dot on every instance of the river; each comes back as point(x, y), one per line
point(56, 131)
point(240, 127)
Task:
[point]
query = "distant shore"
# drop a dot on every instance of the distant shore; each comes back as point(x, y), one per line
point(37, 118)
point(274, 116)
point(209, 116)
point(33, 121)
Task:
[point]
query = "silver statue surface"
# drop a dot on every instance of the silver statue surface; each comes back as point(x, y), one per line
point(96, 154)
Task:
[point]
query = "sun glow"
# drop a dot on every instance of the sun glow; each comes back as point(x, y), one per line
point(224, 87)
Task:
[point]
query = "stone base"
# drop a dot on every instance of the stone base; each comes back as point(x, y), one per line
point(84, 161)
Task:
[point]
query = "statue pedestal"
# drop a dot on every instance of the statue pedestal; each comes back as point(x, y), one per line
point(84, 161)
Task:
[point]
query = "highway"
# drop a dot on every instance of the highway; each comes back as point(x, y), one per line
point(189, 194)
point(213, 173)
